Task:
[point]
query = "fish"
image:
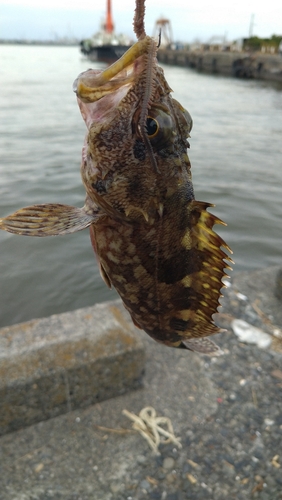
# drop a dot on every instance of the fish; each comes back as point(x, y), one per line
point(155, 244)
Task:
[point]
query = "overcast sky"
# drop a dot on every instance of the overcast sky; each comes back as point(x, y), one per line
point(190, 20)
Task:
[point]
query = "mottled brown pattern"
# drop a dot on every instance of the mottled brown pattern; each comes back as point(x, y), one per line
point(170, 291)
point(155, 244)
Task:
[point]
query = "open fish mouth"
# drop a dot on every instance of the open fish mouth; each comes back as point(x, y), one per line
point(92, 85)
point(99, 91)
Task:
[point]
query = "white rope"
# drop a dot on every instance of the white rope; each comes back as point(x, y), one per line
point(150, 427)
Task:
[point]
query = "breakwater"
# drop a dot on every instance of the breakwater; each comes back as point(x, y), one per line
point(226, 412)
point(237, 64)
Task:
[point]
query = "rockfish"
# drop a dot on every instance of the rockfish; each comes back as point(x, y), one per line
point(154, 242)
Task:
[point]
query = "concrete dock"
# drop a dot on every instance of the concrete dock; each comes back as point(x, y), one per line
point(226, 411)
point(50, 366)
point(237, 64)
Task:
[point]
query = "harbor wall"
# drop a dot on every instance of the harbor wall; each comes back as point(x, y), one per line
point(73, 360)
point(50, 366)
point(236, 64)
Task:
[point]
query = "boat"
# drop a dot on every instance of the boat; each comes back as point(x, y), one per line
point(105, 45)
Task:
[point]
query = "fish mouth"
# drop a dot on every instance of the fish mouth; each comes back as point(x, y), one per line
point(92, 85)
point(99, 91)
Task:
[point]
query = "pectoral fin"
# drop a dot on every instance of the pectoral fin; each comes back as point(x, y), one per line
point(48, 220)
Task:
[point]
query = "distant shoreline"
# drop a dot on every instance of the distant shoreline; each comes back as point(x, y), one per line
point(256, 65)
point(59, 43)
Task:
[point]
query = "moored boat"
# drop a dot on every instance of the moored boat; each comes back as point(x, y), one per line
point(105, 45)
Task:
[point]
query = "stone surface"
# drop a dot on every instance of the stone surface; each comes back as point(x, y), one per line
point(250, 334)
point(259, 66)
point(53, 365)
point(278, 284)
point(226, 410)
point(93, 453)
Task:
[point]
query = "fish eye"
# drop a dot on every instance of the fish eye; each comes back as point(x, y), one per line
point(152, 127)
point(159, 127)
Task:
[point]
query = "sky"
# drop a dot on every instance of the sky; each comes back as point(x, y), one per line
point(190, 20)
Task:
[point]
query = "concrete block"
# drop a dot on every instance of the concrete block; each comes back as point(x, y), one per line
point(53, 365)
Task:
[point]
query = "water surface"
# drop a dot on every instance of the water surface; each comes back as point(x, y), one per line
point(236, 148)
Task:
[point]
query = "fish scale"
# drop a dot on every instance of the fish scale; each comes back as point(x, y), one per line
point(154, 242)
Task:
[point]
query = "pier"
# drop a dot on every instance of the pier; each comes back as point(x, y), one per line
point(67, 379)
point(237, 64)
